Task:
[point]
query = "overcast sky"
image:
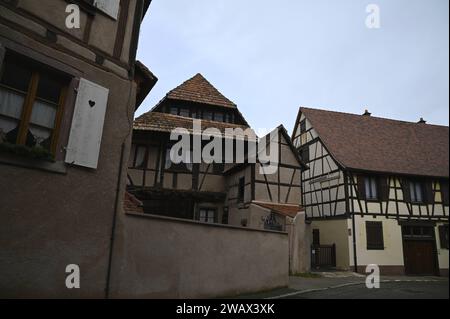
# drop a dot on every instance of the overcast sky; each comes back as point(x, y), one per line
point(270, 57)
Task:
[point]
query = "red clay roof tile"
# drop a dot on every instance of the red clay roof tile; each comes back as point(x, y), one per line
point(383, 145)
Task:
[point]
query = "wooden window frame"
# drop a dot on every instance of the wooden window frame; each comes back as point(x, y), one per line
point(374, 226)
point(305, 154)
point(208, 210)
point(302, 127)
point(368, 181)
point(145, 163)
point(413, 196)
point(37, 68)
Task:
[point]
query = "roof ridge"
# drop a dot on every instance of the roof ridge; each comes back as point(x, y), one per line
point(370, 117)
point(218, 100)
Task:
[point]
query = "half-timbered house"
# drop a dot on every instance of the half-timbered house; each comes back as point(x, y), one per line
point(68, 92)
point(218, 192)
point(377, 190)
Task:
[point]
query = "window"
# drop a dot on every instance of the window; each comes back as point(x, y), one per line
point(304, 153)
point(140, 159)
point(184, 112)
point(207, 215)
point(416, 192)
point(207, 115)
point(443, 236)
point(371, 188)
point(110, 7)
point(241, 190)
point(374, 233)
point(444, 193)
point(185, 165)
point(31, 104)
point(302, 126)
point(174, 110)
point(230, 118)
point(219, 117)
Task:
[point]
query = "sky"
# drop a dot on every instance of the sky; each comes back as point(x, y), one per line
point(271, 57)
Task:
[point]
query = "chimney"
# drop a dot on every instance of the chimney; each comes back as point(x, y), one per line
point(367, 113)
point(422, 121)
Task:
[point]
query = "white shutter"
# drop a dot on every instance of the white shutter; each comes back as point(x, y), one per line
point(110, 7)
point(87, 125)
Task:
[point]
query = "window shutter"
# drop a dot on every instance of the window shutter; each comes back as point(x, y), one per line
point(361, 187)
point(87, 125)
point(374, 233)
point(444, 192)
point(110, 7)
point(429, 194)
point(406, 192)
point(383, 188)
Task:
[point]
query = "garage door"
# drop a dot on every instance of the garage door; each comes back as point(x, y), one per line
point(419, 251)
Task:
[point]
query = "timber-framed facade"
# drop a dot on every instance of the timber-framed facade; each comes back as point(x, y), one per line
point(224, 192)
point(377, 189)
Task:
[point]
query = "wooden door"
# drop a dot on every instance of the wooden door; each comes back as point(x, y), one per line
point(420, 258)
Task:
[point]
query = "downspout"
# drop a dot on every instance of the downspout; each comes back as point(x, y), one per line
point(355, 257)
point(114, 221)
point(347, 208)
point(132, 61)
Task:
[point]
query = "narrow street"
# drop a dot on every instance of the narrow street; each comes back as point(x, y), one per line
point(347, 285)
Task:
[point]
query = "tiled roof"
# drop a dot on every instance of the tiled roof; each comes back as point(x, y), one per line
point(132, 205)
point(164, 122)
point(198, 89)
point(282, 209)
point(383, 145)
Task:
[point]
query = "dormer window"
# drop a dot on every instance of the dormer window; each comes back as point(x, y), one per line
point(184, 112)
point(207, 115)
point(174, 110)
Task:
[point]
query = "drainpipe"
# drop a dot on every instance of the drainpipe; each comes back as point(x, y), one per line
point(355, 257)
point(113, 227)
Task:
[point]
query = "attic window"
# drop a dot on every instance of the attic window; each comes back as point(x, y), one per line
point(184, 112)
point(207, 115)
point(302, 126)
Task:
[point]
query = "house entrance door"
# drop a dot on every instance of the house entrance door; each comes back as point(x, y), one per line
point(419, 248)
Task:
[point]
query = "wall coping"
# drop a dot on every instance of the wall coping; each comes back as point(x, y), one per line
point(198, 223)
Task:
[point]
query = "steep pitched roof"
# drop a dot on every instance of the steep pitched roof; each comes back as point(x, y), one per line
point(198, 89)
point(382, 145)
point(164, 122)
